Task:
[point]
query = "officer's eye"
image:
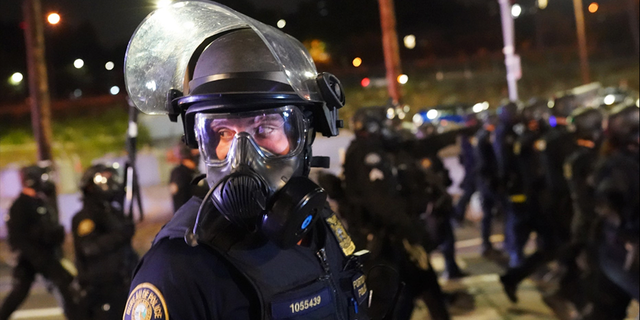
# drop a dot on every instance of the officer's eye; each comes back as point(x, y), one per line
point(226, 134)
point(265, 130)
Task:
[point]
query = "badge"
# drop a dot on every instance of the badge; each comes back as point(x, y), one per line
point(85, 227)
point(372, 159)
point(348, 247)
point(474, 141)
point(541, 145)
point(568, 171)
point(375, 174)
point(145, 303)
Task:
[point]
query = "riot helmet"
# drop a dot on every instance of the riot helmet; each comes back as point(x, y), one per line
point(371, 122)
point(508, 113)
point(250, 98)
point(536, 113)
point(586, 124)
point(101, 183)
point(38, 177)
point(563, 106)
point(623, 126)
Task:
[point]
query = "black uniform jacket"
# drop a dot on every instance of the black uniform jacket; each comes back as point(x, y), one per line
point(229, 275)
point(32, 229)
point(102, 241)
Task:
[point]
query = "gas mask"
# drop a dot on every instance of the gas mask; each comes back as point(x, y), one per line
point(255, 162)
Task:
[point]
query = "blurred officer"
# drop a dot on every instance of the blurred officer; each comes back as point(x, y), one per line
point(37, 237)
point(488, 181)
point(441, 212)
point(510, 181)
point(617, 194)
point(263, 243)
point(586, 125)
point(555, 147)
point(181, 182)
point(102, 239)
point(469, 162)
point(386, 190)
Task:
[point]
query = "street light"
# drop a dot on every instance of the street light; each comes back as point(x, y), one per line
point(516, 10)
point(410, 41)
point(53, 18)
point(403, 79)
point(16, 78)
point(357, 62)
point(281, 23)
point(593, 7)
point(78, 63)
point(109, 65)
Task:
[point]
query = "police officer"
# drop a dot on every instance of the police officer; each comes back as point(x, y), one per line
point(617, 204)
point(102, 236)
point(262, 244)
point(181, 182)
point(573, 291)
point(488, 181)
point(510, 181)
point(386, 191)
point(468, 161)
point(37, 237)
point(440, 217)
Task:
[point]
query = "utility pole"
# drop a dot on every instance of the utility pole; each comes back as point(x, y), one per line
point(511, 59)
point(37, 76)
point(391, 49)
point(582, 41)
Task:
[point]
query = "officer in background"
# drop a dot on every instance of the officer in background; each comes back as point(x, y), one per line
point(386, 193)
point(468, 161)
point(181, 182)
point(586, 125)
point(102, 236)
point(262, 244)
point(510, 181)
point(431, 139)
point(36, 236)
point(617, 194)
point(492, 198)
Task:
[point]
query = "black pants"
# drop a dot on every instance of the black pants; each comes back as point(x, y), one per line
point(104, 301)
point(24, 275)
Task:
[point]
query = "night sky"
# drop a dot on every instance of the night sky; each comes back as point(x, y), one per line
point(115, 20)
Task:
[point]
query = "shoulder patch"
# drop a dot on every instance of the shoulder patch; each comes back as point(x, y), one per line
point(145, 303)
point(372, 159)
point(85, 227)
point(347, 245)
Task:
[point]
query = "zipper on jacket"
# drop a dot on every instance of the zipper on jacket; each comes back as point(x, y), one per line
point(322, 255)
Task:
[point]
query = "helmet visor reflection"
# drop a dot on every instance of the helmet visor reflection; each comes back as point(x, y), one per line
point(277, 132)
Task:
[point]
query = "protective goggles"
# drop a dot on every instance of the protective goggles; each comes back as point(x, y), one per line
point(276, 132)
